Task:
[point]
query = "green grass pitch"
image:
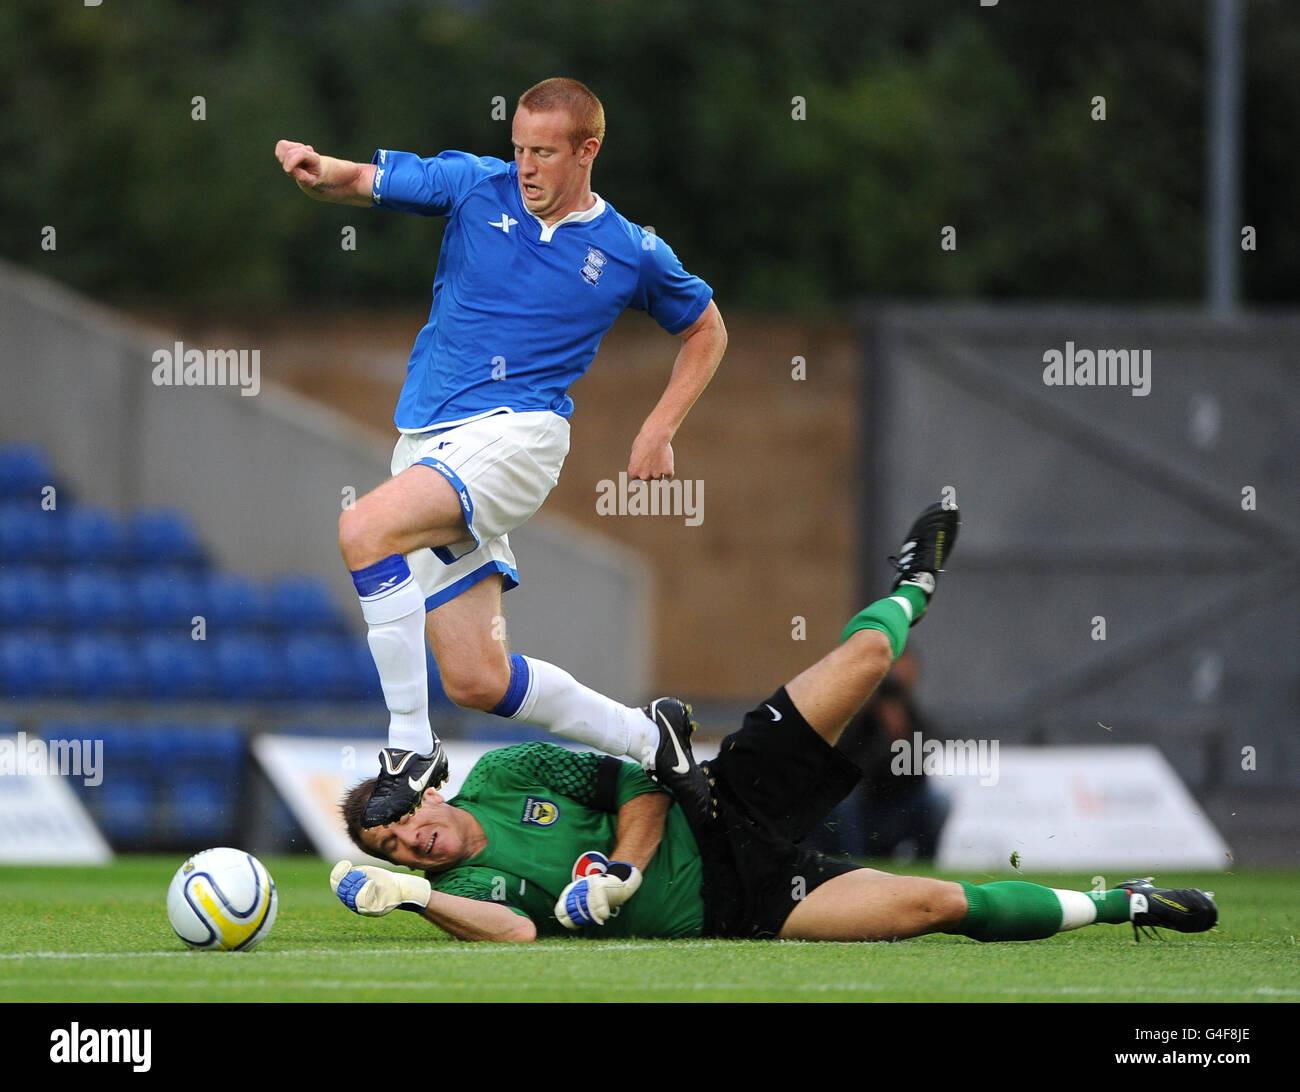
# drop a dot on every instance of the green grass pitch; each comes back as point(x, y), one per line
point(101, 935)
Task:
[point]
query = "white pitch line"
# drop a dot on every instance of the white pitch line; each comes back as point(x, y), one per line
point(443, 946)
point(187, 954)
point(750, 990)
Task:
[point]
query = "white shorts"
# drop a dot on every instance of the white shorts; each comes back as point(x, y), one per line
point(503, 467)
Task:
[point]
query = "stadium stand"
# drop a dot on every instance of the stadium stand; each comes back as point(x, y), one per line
point(164, 537)
point(24, 471)
point(89, 536)
point(97, 599)
point(189, 488)
point(29, 596)
point(27, 536)
point(125, 613)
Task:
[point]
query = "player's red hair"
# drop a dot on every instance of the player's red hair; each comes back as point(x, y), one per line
point(586, 115)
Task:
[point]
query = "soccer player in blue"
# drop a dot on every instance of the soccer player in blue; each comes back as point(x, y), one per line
point(534, 269)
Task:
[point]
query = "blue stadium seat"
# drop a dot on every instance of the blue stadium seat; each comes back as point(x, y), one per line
point(164, 537)
point(27, 534)
point(24, 470)
point(323, 669)
point(202, 794)
point(124, 803)
point(90, 536)
point(176, 667)
point(97, 598)
point(32, 664)
point(124, 808)
point(29, 596)
point(168, 598)
point(217, 747)
point(299, 603)
point(250, 668)
point(201, 810)
point(235, 602)
point(127, 746)
point(104, 665)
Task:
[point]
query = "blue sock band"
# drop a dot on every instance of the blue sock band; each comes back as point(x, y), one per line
point(391, 572)
point(520, 677)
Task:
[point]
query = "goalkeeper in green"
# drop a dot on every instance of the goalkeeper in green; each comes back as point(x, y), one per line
point(543, 841)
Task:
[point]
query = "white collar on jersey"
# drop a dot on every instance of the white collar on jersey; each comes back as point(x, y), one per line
point(548, 230)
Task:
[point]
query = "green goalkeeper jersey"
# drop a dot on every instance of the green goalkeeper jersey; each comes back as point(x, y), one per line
point(541, 808)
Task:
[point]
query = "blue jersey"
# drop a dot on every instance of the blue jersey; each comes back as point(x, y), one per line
point(519, 307)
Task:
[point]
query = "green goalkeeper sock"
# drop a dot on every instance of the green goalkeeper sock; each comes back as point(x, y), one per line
point(892, 616)
point(1015, 910)
point(1010, 910)
point(1112, 906)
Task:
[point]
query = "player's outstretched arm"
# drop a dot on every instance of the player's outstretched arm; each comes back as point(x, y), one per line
point(374, 892)
point(326, 179)
point(476, 919)
point(703, 343)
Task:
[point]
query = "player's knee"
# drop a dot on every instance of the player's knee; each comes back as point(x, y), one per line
point(352, 537)
point(944, 904)
point(362, 540)
point(872, 652)
point(474, 687)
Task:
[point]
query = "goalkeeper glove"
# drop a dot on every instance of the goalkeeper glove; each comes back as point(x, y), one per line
point(595, 898)
point(374, 892)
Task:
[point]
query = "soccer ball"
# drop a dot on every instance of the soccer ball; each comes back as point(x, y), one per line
point(222, 899)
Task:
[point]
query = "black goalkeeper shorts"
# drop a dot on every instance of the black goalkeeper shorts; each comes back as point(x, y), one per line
point(776, 779)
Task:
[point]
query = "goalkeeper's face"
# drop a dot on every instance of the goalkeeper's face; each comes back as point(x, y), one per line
point(435, 835)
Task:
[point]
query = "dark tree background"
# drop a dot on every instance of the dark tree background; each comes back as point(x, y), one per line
point(919, 114)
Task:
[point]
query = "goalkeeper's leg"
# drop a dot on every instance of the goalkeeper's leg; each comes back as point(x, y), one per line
point(869, 905)
point(830, 692)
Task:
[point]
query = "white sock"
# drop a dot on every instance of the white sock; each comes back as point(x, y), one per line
point(561, 704)
point(1077, 909)
point(396, 638)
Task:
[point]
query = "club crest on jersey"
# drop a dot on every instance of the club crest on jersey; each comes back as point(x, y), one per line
point(593, 265)
point(539, 813)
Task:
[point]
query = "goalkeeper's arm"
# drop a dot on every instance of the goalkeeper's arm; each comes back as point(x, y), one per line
point(475, 919)
point(640, 828)
point(374, 892)
point(594, 896)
